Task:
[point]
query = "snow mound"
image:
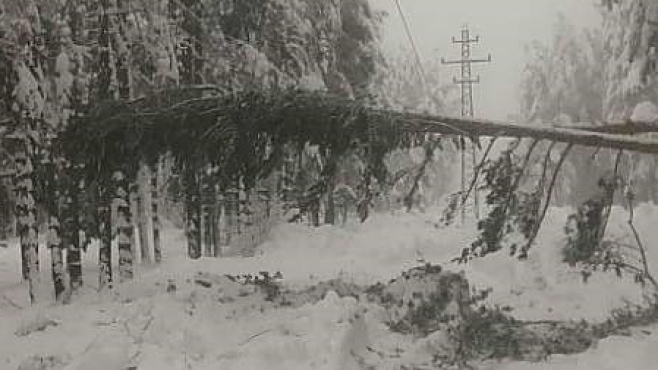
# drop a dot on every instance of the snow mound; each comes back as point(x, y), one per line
point(645, 112)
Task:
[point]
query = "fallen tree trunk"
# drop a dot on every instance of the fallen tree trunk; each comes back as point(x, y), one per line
point(481, 127)
point(621, 128)
point(302, 117)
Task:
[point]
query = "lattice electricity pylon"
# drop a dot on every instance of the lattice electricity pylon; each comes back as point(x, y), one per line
point(466, 83)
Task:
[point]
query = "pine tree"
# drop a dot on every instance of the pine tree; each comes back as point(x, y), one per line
point(190, 69)
point(29, 100)
point(53, 238)
point(104, 89)
point(74, 90)
point(563, 82)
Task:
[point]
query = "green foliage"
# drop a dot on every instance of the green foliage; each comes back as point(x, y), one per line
point(584, 229)
point(269, 284)
point(234, 132)
point(499, 179)
point(449, 213)
point(511, 211)
point(582, 232)
point(490, 332)
point(420, 298)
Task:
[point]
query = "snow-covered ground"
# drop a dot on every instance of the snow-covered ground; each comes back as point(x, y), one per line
point(146, 325)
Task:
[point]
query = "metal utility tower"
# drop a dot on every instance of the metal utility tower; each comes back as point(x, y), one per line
point(466, 83)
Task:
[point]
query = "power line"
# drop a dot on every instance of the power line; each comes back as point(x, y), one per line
point(421, 70)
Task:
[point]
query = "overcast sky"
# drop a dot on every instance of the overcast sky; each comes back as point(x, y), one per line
point(504, 27)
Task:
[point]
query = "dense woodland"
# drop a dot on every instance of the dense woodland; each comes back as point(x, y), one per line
point(113, 110)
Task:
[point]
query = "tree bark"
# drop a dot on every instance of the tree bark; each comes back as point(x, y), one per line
point(57, 259)
point(105, 249)
point(124, 225)
point(193, 219)
point(143, 182)
point(208, 197)
point(53, 239)
point(26, 216)
point(330, 211)
point(71, 229)
point(415, 122)
point(157, 248)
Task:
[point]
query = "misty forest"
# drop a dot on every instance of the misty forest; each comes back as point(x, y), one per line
point(262, 184)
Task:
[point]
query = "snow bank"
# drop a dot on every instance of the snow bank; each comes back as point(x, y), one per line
point(636, 352)
point(645, 112)
point(148, 325)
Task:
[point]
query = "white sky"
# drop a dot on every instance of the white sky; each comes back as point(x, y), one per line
point(504, 27)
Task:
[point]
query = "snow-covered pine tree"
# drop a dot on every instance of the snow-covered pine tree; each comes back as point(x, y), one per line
point(29, 105)
point(563, 83)
point(155, 67)
point(630, 31)
point(104, 89)
point(190, 66)
point(121, 45)
point(72, 84)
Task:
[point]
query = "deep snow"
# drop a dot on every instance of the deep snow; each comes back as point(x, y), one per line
point(141, 324)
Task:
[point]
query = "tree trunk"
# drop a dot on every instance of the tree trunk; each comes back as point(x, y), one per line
point(329, 174)
point(105, 249)
point(157, 248)
point(330, 211)
point(613, 138)
point(124, 225)
point(57, 259)
point(26, 216)
point(214, 226)
point(206, 225)
point(71, 230)
point(53, 240)
point(363, 206)
point(314, 210)
point(143, 182)
point(208, 197)
point(193, 219)
point(653, 179)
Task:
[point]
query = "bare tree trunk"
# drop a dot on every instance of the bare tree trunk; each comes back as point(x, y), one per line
point(72, 233)
point(363, 206)
point(57, 259)
point(26, 215)
point(217, 219)
point(105, 248)
point(124, 225)
point(613, 137)
point(53, 240)
point(193, 221)
point(157, 248)
point(208, 197)
point(329, 172)
point(143, 180)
